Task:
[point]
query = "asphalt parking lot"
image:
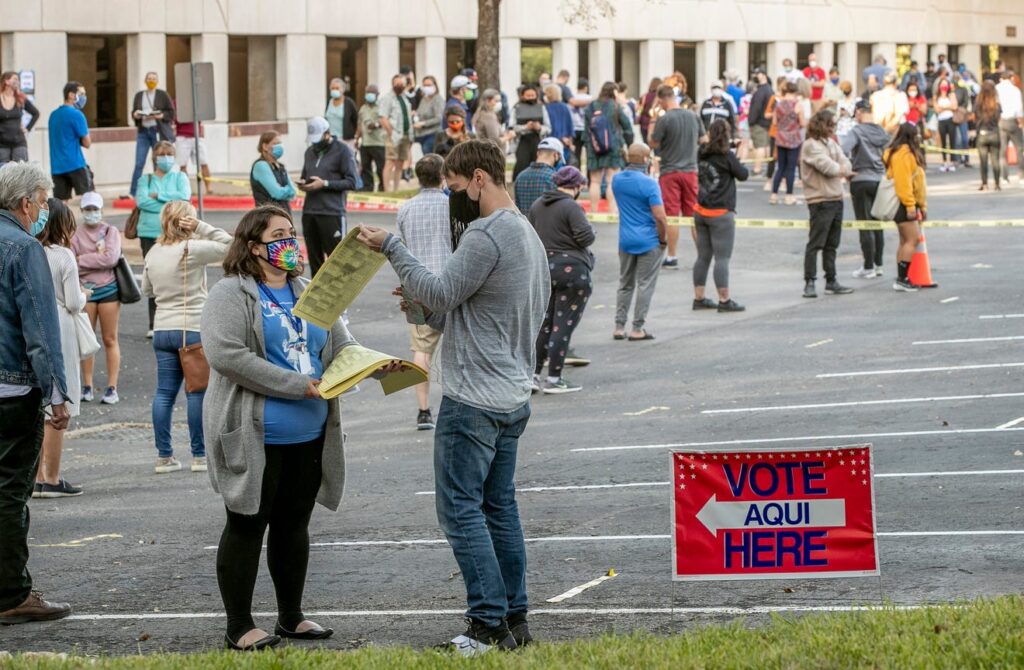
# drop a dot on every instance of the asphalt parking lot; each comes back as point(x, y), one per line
point(933, 380)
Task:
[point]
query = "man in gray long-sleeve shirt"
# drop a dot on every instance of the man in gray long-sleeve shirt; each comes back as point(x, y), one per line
point(490, 301)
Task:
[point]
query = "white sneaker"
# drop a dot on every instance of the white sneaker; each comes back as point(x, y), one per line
point(149, 334)
point(878, 271)
point(110, 397)
point(952, 168)
point(861, 273)
point(198, 464)
point(165, 465)
point(767, 186)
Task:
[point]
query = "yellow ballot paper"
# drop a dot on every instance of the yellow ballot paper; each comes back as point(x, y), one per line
point(341, 279)
point(355, 363)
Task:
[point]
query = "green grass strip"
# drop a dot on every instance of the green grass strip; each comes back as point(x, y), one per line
point(986, 633)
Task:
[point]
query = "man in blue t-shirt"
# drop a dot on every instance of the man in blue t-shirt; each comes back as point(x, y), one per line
point(643, 227)
point(69, 133)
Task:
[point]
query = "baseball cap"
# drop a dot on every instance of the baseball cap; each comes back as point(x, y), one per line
point(315, 129)
point(91, 199)
point(551, 144)
point(460, 81)
point(569, 176)
point(862, 106)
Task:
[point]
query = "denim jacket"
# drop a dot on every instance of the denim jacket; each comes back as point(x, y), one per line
point(30, 352)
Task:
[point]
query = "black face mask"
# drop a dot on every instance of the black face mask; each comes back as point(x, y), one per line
point(321, 146)
point(462, 211)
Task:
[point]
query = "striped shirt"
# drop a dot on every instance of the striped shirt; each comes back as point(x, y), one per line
point(532, 183)
point(423, 227)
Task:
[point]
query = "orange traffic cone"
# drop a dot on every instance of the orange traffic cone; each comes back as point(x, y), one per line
point(920, 272)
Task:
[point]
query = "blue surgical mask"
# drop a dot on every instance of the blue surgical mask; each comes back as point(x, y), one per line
point(40, 222)
point(277, 150)
point(165, 163)
point(371, 98)
point(335, 93)
point(80, 100)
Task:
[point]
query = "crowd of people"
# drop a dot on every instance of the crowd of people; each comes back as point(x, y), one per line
point(496, 273)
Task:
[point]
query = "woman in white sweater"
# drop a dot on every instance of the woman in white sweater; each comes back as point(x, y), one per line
point(56, 241)
point(175, 276)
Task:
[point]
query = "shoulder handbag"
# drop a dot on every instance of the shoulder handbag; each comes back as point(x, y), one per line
point(128, 291)
point(886, 203)
point(131, 226)
point(193, 361)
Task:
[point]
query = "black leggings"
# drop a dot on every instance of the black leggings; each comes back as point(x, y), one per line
point(148, 243)
point(571, 286)
point(988, 147)
point(947, 137)
point(862, 193)
point(291, 481)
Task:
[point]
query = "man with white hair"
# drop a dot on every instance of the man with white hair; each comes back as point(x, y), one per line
point(32, 380)
point(889, 106)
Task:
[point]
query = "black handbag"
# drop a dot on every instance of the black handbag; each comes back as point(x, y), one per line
point(127, 288)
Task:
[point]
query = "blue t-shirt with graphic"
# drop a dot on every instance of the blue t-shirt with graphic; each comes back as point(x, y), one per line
point(291, 421)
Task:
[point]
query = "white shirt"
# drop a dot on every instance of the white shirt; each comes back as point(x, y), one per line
point(1010, 100)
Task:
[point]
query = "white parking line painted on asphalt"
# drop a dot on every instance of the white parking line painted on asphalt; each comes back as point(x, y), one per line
point(861, 403)
point(637, 485)
point(625, 538)
point(656, 408)
point(1011, 424)
point(906, 371)
point(970, 340)
point(573, 592)
point(1001, 316)
point(543, 611)
point(818, 343)
point(950, 299)
point(803, 438)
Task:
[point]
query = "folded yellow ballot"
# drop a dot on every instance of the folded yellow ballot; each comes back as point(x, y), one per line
point(348, 270)
point(355, 363)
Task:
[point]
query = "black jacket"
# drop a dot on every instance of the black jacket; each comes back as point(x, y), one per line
point(758, 105)
point(562, 226)
point(717, 175)
point(161, 103)
point(336, 165)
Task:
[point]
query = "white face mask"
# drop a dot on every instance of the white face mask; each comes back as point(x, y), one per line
point(497, 107)
point(813, 63)
point(92, 218)
point(429, 90)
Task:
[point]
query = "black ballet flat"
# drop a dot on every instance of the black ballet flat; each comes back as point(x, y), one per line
point(262, 643)
point(317, 633)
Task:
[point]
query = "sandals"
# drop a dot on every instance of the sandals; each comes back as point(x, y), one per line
point(646, 336)
point(316, 633)
point(618, 336)
point(263, 643)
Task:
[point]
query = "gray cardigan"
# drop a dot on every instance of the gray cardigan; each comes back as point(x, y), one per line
point(240, 379)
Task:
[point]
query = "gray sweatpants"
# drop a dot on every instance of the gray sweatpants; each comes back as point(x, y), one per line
point(637, 273)
point(715, 237)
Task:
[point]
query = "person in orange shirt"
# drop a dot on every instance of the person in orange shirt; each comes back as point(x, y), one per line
point(904, 164)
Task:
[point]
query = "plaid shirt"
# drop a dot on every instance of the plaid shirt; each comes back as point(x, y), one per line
point(532, 183)
point(423, 226)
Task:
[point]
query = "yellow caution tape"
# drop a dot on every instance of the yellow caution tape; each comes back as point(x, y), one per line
point(222, 180)
point(956, 152)
point(803, 224)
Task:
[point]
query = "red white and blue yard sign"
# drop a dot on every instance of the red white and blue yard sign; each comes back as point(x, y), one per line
point(772, 514)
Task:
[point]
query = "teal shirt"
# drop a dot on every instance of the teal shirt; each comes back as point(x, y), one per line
point(174, 185)
point(262, 173)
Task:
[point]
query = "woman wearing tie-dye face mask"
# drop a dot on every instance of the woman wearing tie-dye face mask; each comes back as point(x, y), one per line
point(275, 446)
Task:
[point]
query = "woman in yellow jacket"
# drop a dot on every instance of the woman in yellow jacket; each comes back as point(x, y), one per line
point(904, 164)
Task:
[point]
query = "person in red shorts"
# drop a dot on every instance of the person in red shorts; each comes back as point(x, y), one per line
point(675, 134)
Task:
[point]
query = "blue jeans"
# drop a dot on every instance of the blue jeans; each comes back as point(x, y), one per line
point(963, 141)
point(168, 382)
point(474, 479)
point(144, 141)
point(427, 143)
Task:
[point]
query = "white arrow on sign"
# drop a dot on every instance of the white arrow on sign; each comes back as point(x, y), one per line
point(772, 514)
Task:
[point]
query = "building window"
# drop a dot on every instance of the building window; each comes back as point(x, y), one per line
point(252, 77)
point(583, 58)
point(407, 54)
point(723, 59)
point(684, 60)
point(347, 60)
point(759, 55)
point(100, 63)
point(461, 55)
point(179, 50)
point(536, 57)
point(953, 56)
point(803, 50)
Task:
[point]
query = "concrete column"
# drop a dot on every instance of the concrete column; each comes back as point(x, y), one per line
point(213, 48)
point(777, 52)
point(301, 73)
point(970, 55)
point(565, 55)
point(147, 52)
point(919, 52)
point(825, 51)
point(432, 59)
point(263, 88)
point(707, 70)
point(630, 69)
point(848, 64)
point(655, 60)
point(737, 58)
point(935, 50)
point(382, 60)
point(887, 49)
point(602, 63)
point(510, 66)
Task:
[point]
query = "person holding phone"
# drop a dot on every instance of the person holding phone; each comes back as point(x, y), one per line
point(328, 174)
point(275, 446)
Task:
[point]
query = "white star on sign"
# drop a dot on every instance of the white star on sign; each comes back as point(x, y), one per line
point(682, 486)
point(862, 461)
point(863, 472)
point(853, 472)
point(842, 462)
point(748, 455)
point(693, 466)
point(863, 481)
point(693, 476)
point(704, 467)
point(714, 456)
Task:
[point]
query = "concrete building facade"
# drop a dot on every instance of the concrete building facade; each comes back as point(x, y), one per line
point(272, 60)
